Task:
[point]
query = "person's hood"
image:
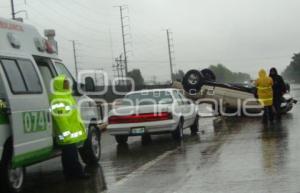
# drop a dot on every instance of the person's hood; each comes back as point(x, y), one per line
point(58, 84)
point(262, 73)
point(274, 70)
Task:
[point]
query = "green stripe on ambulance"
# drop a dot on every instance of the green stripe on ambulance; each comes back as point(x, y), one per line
point(3, 119)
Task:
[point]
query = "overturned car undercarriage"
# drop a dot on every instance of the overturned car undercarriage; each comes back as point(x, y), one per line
point(202, 87)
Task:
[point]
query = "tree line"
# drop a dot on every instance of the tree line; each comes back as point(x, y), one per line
point(292, 71)
point(223, 74)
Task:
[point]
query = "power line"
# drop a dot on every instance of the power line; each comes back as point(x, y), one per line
point(89, 56)
point(80, 5)
point(64, 27)
point(86, 21)
point(77, 48)
point(91, 46)
point(70, 20)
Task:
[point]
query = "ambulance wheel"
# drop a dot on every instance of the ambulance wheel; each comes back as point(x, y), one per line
point(12, 180)
point(91, 151)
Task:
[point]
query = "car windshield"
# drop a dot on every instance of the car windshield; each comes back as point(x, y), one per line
point(147, 98)
point(61, 69)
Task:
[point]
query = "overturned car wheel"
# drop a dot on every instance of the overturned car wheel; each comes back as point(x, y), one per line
point(193, 81)
point(208, 75)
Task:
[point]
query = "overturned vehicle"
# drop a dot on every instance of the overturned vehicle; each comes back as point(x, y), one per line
point(235, 98)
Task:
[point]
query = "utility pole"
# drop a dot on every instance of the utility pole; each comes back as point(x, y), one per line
point(13, 13)
point(171, 52)
point(124, 38)
point(75, 58)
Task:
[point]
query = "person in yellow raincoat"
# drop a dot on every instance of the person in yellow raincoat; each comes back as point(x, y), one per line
point(265, 94)
point(68, 127)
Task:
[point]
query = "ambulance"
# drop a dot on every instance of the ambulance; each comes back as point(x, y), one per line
point(28, 63)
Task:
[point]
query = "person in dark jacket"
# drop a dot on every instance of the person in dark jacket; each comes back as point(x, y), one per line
point(279, 89)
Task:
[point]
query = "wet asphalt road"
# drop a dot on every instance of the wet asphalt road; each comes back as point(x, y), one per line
point(228, 155)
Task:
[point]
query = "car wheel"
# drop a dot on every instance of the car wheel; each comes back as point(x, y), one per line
point(146, 139)
point(195, 126)
point(178, 133)
point(91, 150)
point(121, 139)
point(12, 179)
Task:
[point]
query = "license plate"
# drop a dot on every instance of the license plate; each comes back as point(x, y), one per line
point(138, 130)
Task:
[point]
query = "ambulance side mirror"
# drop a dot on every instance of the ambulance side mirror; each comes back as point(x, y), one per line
point(89, 84)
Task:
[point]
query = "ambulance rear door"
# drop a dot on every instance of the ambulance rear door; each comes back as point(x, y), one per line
point(28, 109)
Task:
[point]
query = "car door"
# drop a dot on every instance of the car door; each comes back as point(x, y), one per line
point(28, 109)
point(189, 110)
point(181, 107)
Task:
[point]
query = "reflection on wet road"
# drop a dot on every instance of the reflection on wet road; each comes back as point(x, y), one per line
point(228, 155)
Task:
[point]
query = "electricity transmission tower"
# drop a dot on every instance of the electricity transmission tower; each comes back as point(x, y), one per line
point(119, 69)
point(170, 51)
point(124, 35)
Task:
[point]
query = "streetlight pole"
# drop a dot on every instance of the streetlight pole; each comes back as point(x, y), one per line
point(75, 58)
point(170, 54)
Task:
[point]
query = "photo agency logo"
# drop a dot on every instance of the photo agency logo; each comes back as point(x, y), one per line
point(97, 85)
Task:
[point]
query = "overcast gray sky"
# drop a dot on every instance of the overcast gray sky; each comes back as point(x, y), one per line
point(244, 35)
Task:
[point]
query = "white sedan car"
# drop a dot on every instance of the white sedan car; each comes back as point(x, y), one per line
point(148, 112)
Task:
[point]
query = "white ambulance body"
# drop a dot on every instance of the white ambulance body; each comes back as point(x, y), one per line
point(28, 63)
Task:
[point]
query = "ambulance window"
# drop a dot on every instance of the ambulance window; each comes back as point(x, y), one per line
point(31, 77)
point(14, 76)
point(2, 90)
point(47, 76)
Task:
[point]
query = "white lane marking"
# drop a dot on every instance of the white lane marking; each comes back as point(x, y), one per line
point(144, 167)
